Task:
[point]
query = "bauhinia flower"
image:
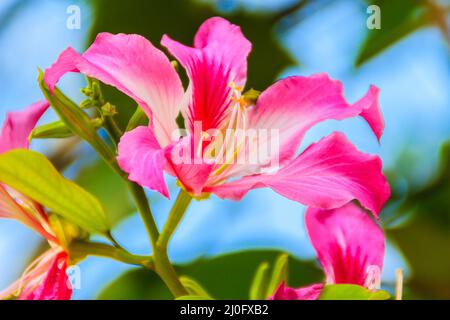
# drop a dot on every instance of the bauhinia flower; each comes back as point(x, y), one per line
point(349, 246)
point(45, 278)
point(212, 156)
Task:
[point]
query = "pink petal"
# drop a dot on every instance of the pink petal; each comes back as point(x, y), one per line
point(311, 292)
point(191, 171)
point(295, 104)
point(44, 279)
point(350, 246)
point(14, 205)
point(18, 126)
point(55, 285)
point(371, 111)
point(218, 58)
point(327, 175)
point(134, 66)
point(140, 155)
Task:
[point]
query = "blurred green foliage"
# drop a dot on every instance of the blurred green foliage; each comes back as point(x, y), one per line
point(109, 188)
point(224, 277)
point(400, 18)
point(425, 238)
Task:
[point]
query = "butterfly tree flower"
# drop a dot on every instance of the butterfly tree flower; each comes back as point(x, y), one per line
point(350, 247)
point(45, 278)
point(211, 156)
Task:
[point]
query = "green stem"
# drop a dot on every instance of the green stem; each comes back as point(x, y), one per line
point(113, 129)
point(145, 212)
point(163, 267)
point(174, 219)
point(162, 263)
point(81, 248)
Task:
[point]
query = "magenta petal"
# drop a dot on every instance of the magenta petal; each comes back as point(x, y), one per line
point(18, 126)
point(191, 171)
point(349, 244)
point(371, 111)
point(295, 104)
point(311, 292)
point(55, 285)
point(327, 175)
point(134, 66)
point(140, 155)
point(219, 58)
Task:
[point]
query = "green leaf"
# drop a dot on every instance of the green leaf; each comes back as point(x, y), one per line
point(399, 19)
point(193, 297)
point(139, 118)
point(194, 288)
point(34, 175)
point(258, 289)
point(57, 130)
point(279, 273)
point(351, 292)
point(53, 130)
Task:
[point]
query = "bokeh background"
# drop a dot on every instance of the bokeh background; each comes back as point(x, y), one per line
point(221, 243)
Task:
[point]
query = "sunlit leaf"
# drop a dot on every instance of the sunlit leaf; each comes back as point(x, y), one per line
point(279, 273)
point(351, 292)
point(194, 288)
point(33, 174)
point(192, 297)
point(260, 282)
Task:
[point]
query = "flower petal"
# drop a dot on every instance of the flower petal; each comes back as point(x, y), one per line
point(14, 205)
point(349, 244)
point(311, 292)
point(327, 175)
point(295, 104)
point(44, 279)
point(218, 58)
point(55, 284)
point(191, 171)
point(134, 66)
point(140, 155)
point(18, 126)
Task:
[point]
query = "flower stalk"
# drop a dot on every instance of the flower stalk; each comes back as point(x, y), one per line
point(82, 248)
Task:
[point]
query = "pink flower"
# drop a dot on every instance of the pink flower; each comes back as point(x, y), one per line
point(326, 175)
point(45, 278)
point(350, 248)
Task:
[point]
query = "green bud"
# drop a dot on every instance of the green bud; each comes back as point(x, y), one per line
point(109, 110)
point(78, 122)
point(58, 130)
point(53, 130)
point(175, 64)
point(65, 231)
point(86, 104)
point(251, 96)
point(87, 92)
